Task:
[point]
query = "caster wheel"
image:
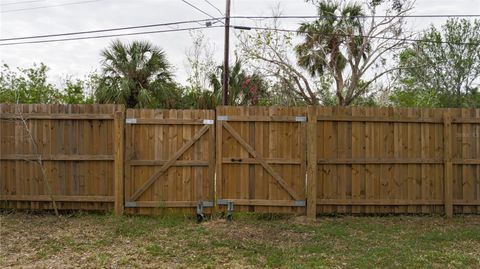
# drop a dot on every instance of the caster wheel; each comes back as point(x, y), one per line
point(200, 218)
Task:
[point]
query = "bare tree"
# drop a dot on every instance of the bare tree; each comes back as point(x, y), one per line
point(35, 152)
point(270, 52)
point(200, 61)
point(350, 43)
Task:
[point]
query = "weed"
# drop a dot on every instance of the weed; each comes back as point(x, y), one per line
point(251, 240)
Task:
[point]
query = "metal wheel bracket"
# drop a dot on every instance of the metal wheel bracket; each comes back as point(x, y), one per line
point(200, 214)
point(230, 208)
point(202, 205)
point(200, 208)
point(229, 211)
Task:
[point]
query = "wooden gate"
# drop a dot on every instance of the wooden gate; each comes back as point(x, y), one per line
point(261, 158)
point(169, 159)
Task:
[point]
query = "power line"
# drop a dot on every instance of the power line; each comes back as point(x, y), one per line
point(106, 30)
point(112, 35)
point(212, 5)
point(21, 2)
point(197, 8)
point(157, 25)
point(41, 7)
point(240, 27)
point(361, 16)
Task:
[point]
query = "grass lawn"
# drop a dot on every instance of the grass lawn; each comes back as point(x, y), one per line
point(250, 241)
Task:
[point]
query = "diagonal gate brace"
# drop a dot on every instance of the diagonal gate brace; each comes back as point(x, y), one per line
point(260, 159)
point(169, 163)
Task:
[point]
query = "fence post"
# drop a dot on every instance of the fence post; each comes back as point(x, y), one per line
point(119, 124)
point(447, 162)
point(312, 162)
point(218, 157)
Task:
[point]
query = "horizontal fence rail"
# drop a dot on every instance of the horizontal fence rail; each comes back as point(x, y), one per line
point(315, 160)
point(170, 157)
point(392, 160)
point(74, 146)
point(261, 158)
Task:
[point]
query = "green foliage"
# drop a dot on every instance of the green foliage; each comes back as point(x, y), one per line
point(435, 74)
point(30, 86)
point(137, 75)
point(269, 55)
point(196, 98)
point(330, 99)
point(74, 93)
point(347, 46)
point(244, 89)
point(325, 38)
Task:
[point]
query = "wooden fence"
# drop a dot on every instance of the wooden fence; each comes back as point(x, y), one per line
point(295, 160)
point(76, 146)
point(170, 159)
point(388, 160)
point(261, 158)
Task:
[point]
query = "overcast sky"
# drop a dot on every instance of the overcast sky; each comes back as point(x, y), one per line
point(81, 57)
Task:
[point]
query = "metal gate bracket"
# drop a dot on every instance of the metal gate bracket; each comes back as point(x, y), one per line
point(208, 122)
point(200, 215)
point(130, 204)
point(301, 118)
point(200, 206)
point(222, 202)
point(222, 118)
point(130, 120)
point(229, 211)
point(299, 203)
point(207, 204)
point(229, 205)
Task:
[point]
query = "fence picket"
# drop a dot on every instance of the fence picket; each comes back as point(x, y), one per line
point(289, 160)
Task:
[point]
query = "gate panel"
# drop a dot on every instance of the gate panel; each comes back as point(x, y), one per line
point(261, 158)
point(170, 159)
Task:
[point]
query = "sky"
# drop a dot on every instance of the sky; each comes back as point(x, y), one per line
point(79, 58)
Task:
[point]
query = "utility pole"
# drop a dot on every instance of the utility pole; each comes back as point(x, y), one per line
point(226, 54)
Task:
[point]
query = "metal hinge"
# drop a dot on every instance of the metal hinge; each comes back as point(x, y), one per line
point(130, 120)
point(130, 204)
point(301, 118)
point(299, 203)
point(207, 204)
point(222, 202)
point(222, 118)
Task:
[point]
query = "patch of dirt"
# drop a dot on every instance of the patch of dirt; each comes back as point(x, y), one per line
point(214, 223)
point(43, 241)
point(245, 233)
point(92, 241)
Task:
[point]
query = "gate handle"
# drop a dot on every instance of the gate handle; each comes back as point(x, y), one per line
point(236, 160)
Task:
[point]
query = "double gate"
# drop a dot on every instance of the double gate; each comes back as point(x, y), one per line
point(260, 161)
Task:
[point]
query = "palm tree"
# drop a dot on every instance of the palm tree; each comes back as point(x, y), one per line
point(136, 74)
point(243, 88)
point(331, 41)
